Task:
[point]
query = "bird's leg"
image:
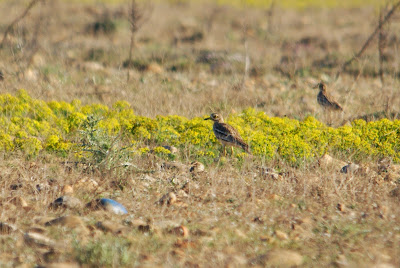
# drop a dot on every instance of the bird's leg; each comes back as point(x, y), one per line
point(224, 150)
point(231, 150)
point(329, 118)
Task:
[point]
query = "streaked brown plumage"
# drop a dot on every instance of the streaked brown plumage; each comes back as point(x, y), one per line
point(326, 100)
point(227, 134)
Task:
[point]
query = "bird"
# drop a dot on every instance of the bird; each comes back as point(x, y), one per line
point(227, 134)
point(326, 100)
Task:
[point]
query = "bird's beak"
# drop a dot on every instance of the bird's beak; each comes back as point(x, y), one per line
point(208, 118)
point(316, 86)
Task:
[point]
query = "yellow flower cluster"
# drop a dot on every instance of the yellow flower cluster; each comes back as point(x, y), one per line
point(32, 125)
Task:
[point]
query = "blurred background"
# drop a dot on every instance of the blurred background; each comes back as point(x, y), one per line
point(194, 57)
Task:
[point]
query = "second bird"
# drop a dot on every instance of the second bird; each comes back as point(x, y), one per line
point(326, 100)
point(227, 134)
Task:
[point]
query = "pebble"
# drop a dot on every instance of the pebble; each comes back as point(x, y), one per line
point(38, 240)
point(168, 199)
point(86, 184)
point(196, 167)
point(67, 189)
point(281, 235)
point(180, 231)
point(269, 173)
point(274, 197)
point(67, 221)
point(19, 202)
point(341, 207)
point(6, 228)
point(67, 201)
point(327, 160)
point(350, 168)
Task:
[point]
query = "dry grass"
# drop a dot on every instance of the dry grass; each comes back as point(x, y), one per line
point(234, 211)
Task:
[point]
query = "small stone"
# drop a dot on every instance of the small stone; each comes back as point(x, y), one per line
point(36, 229)
point(6, 228)
point(281, 235)
point(168, 199)
point(19, 202)
point(67, 221)
point(327, 161)
point(240, 234)
point(38, 60)
point(269, 173)
point(91, 66)
point(180, 231)
point(341, 207)
point(274, 197)
point(181, 194)
point(67, 190)
point(31, 75)
point(141, 225)
point(87, 184)
point(395, 193)
point(155, 68)
point(381, 210)
point(67, 201)
point(259, 220)
point(173, 165)
point(350, 168)
point(196, 167)
point(265, 238)
point(341, 261)
point(38, 240)
point(178, 253)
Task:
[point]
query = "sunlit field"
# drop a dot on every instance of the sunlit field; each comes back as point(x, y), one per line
point(108, 161)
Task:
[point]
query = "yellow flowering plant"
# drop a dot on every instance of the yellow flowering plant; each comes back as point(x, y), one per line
point(33, 125)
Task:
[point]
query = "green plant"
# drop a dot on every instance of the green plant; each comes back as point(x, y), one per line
point(100, 148)
point(107, 252)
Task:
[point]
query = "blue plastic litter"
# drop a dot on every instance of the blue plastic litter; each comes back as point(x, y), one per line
point(113, 206)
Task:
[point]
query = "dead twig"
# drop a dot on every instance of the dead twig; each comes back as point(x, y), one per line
point(381, 46)
point(137, 16)
point(370, 38)
point(18, 19)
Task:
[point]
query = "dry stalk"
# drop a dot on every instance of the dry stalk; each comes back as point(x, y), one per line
point(246, 56)
point(137, 17)
point(18, 19)
point(370, 38)
point(34, 44)
point(381, 46)
point(211, 18)
point(270, 16)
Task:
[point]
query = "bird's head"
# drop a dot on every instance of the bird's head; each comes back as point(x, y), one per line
point(215, 117)
point(321, 86)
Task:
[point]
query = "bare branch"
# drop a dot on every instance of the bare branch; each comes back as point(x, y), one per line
point(18, 19)
point(370, 38)
point(381, 46)
point(136, 18)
